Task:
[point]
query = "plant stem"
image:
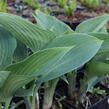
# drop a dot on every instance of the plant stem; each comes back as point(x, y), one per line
point(49, 92)
point(35, 99)
point(33, 102)
point(71, 86)
point(0, 106)
point(27, 102)
point(7, 103)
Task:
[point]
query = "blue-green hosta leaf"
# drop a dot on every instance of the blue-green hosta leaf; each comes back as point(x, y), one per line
point(93, 25)
point(23, 92)
point(28, 33)
point(95, 72)
point(92, 82)
point(7, 47)
point(85, 48)
point(51, 23)
point(21, 52)
point(38, 64)
point(3, 77)
point(89, 83)
point(103, 53)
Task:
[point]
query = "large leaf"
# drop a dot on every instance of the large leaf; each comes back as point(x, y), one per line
point(103, 53)
point(28, 33)
point(7, 47)
point(93, 25)
point(86, 47)
point(51, 23)
point(38, 64)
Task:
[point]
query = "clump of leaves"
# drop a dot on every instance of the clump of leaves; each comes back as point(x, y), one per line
point(57, 50)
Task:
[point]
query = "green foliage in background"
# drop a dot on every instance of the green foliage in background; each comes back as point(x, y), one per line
point(94, 3)
point(3, 7)
point(69, 6)
point(34, 3)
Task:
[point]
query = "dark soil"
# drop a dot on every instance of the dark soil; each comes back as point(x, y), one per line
point(82, 13)
point(103, 8)
point(18, 7)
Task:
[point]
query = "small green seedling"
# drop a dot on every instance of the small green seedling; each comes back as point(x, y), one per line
point(69, 6)
point(91, 3)
point(34, 3)
point(62, 3)
point(3, 7)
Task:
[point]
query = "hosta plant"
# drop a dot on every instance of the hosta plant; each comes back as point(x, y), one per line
point(55, 51)
point(93, 70)
point(97, 67)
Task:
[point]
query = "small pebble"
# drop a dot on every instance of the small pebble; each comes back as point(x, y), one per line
point(25, 15)
point(15, 5)
point(11, 4)
point(18, 2)
point(52, 5)
point(108, 100)
point(80, 9)
point(25, 7)
point(41, 1)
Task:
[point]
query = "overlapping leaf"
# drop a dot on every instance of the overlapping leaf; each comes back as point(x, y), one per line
point(93, 76)
point(21, 52)
point(50, 63)
point(3, 77)
point(86, 47)
point(7, 47)
point(28, 33)
point(103, 53)
point(51, 23)
point(36, 65)
point(93, 25)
